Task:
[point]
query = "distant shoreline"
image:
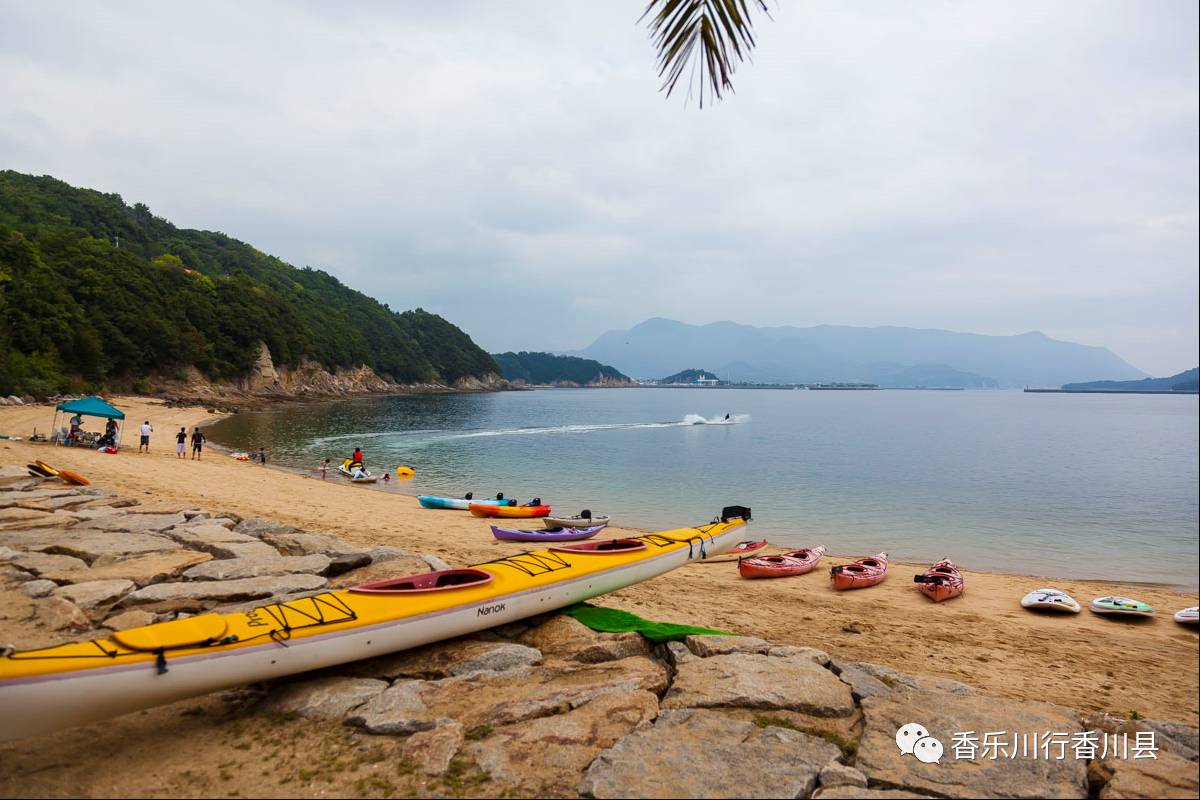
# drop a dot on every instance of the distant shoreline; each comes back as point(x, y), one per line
point(1112, 391)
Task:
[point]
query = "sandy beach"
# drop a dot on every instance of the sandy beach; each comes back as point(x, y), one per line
point(984, 638)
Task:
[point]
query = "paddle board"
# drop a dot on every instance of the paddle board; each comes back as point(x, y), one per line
point(1122, 606)
point(73, 477)
point(1188, 616)
point(1051, 599)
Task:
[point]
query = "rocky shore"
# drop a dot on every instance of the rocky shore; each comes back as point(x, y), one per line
point(545, 706)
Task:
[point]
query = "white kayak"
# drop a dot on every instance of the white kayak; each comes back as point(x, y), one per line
point(1052, 599)
point(1121, 606)
point(583, 519)
point(1188, 616)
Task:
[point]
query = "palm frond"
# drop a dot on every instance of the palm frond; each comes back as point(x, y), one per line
point(706, 38)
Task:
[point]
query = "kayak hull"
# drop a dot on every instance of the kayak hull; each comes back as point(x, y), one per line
point(457, 503)
point(940, 582)
point(508, 512)
point(577, 522)
point(546, 535)
point(796, 562)
point(43, 691)
point(860, 574)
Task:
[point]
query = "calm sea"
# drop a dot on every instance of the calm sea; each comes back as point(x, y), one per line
point(1085, 486)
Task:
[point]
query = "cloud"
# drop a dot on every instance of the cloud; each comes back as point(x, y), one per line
point(992, 168)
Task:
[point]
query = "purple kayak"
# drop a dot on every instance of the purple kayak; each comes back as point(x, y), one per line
point(547, 535)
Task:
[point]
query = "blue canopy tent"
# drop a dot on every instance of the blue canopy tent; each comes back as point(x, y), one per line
point(89, 407)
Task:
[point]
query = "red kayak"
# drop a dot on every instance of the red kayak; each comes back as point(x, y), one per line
point(796, 562)
point(941, 581)
point(860, 574)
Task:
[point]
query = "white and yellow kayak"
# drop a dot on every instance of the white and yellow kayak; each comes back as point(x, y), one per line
point(56, 687)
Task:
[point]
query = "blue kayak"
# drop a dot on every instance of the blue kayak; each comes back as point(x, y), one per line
point(460, 503)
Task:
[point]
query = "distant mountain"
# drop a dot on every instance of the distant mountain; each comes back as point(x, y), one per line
point(547, 368)
point(1187, 381)
point(689, 376)
point(889, 356)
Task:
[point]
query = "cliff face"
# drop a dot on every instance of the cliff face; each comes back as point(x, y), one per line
point(309, 380)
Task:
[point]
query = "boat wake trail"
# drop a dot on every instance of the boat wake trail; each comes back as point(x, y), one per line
point(420, 437)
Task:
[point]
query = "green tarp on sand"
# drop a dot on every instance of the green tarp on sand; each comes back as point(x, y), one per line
point(611, 620)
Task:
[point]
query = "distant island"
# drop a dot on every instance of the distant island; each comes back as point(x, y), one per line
point(1187, 381)
point(547, 369)
point(97, 295)
point(692, 377)
point(892, 357)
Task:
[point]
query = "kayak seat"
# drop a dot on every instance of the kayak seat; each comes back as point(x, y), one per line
point(427, 582)
point(190, 632)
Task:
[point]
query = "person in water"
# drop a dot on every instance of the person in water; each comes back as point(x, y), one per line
point(727, 418)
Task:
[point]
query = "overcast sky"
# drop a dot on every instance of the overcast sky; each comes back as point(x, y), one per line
point(986, 167)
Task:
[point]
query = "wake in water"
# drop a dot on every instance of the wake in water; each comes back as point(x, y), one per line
point(430, 436)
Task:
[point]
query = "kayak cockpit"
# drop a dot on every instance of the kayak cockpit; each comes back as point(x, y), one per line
point(606, 547)
point(427, 582)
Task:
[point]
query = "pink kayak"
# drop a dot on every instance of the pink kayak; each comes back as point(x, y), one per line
point(797, 562)
point(941, 581)
point(860, 574)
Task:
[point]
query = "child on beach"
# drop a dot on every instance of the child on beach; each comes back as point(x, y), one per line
point(180, 440)
point(262, 456)
point(386, 477)
point(324, 468)
point(197, 444)
point(147, 429)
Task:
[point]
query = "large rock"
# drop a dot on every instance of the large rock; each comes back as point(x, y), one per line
point(696, 753)
point(59, 613)
point(555, 750)
point(322, 698)
point(223, 591)
point(196, 536)
point(88, 544)
point(252, 526)
point(142, 570)
point(95, 596)
point(42, 563)
point(237, 568)
point(837, 774)
point(712, 645)
point(445, 659)
point(1168, 775)
point(862, 683)
point(39, 588)
point(894, 679)
point(239, 550)
point(943, 714)
point(567, 638)
point(432, 750)
point(843, 792)
point(794, 683)
point(497, 699)
point(135, 522)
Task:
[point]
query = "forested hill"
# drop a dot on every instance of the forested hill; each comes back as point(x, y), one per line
point(1186, 381)
point(95, 292)
point(545, 368)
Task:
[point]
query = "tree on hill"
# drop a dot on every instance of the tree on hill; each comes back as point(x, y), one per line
point(545, 368)
point(94, 291)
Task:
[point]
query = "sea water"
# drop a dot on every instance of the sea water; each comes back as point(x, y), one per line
point(1071, 485)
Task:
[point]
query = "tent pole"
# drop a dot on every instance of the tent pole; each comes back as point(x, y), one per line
point(54, 429)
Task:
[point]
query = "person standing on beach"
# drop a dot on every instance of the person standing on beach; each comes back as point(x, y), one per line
point(147, 429)
point(180, 440)
point(197, 444)
point(324, 468)
point(262, 456)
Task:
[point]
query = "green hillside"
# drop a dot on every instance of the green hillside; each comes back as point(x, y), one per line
point(688, 376)
point(1182, 382)
point(94, 292)
point(549, 368)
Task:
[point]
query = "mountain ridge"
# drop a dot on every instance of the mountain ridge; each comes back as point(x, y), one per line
point(881, 354)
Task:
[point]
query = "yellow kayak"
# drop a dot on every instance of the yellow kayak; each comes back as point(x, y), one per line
point(56, 687)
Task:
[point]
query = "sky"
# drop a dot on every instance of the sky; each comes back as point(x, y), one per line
point(975, 166)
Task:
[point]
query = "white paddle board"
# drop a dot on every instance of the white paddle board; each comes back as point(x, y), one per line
point(1188, 616)
point(1052, 599)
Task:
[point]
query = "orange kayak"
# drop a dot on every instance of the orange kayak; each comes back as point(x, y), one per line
point(941, 581)
point(860, 574)
point(509, 512)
